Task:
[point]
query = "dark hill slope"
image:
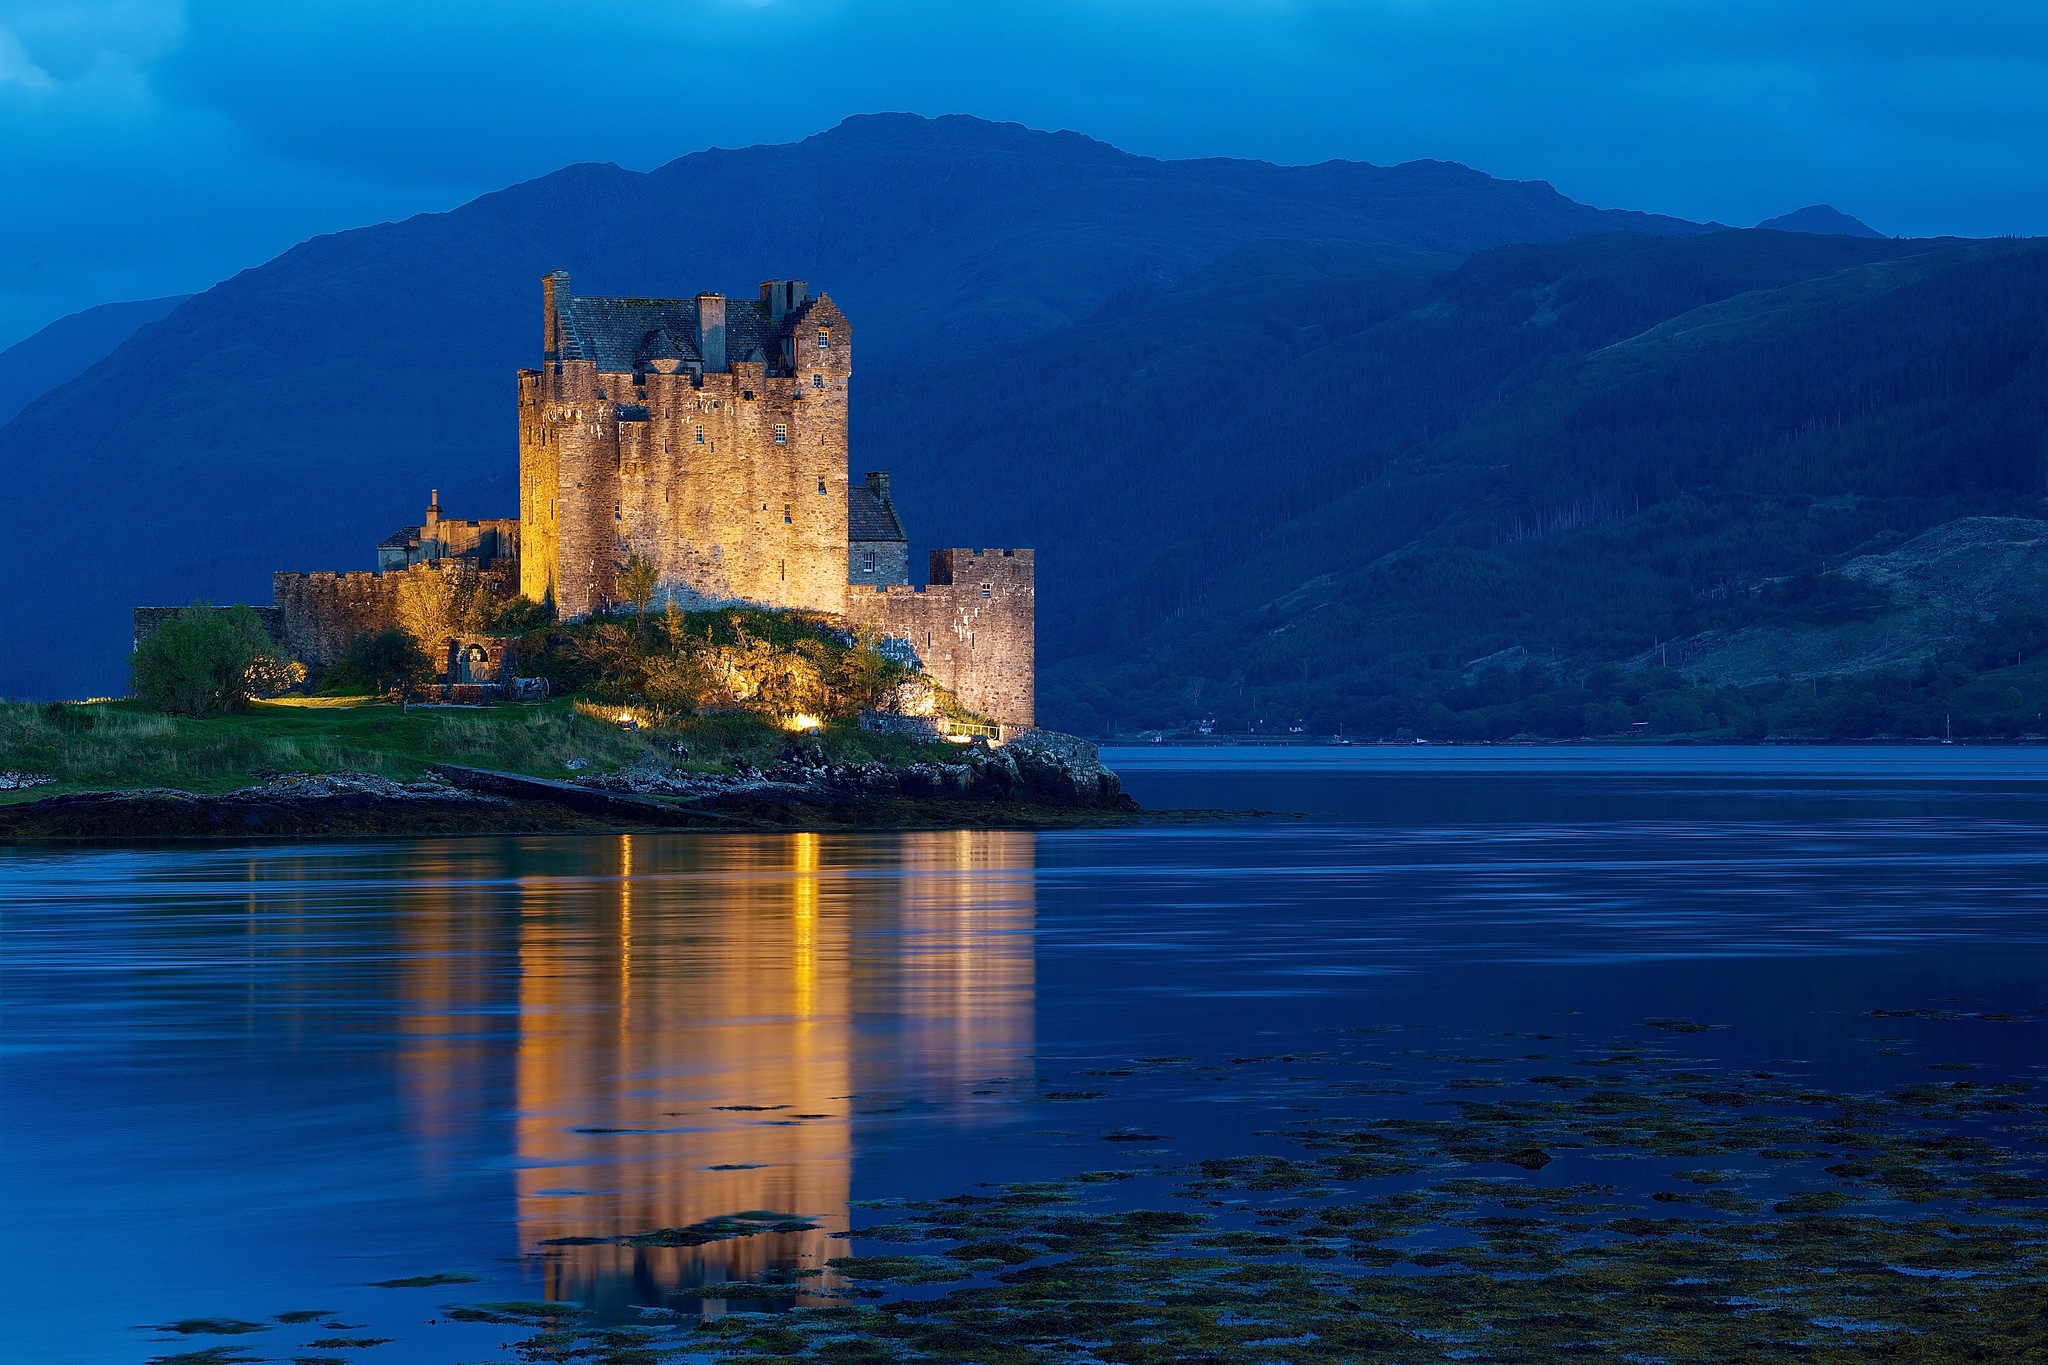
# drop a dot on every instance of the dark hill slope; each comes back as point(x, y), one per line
point(297, 412)
point(63, 350)
point(1576, 448)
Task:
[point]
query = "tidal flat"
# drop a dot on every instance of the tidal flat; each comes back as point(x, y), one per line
point(1523, 1067)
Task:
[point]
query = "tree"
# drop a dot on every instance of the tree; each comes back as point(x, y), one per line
point(383, 661)
point(638, 581)
point(426, 606)
point(205, 662)
point(866, 674)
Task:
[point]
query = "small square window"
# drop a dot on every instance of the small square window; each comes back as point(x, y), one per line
point(817, 381)
point(782, 433)
point(986, 588)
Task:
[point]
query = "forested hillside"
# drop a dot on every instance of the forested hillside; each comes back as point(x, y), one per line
point(1316, 497)
point(293, 415)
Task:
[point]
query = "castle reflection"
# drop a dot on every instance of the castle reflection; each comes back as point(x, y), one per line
point(702, 1021)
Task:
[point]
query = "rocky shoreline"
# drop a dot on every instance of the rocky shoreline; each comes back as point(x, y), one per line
point(1041, 780)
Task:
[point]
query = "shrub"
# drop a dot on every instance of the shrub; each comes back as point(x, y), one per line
point(379, 661)
point(205, 662)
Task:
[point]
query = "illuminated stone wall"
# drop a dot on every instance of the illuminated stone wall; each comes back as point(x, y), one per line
point(973, 629)
point(732, 481)
point(318, 614)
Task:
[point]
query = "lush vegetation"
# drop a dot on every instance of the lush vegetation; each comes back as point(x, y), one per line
point(204, 662)
point(122, 744)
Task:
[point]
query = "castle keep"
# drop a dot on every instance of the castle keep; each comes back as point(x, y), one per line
point(706, 437)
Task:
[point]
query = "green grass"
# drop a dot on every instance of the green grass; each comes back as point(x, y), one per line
point(118, 745)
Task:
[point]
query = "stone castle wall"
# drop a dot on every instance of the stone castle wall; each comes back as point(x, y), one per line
point(892, 563)
point(320, 613)
point(973, 629)
point(689, 473)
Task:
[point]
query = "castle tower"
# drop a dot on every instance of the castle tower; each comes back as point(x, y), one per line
point(706, 435)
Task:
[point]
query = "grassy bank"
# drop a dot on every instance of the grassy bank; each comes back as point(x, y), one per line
point(116, 746)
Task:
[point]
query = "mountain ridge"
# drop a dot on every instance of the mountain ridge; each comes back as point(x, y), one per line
point(291, 415)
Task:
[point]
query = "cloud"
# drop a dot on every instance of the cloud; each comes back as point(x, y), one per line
point(163, 145)
point(15, 66)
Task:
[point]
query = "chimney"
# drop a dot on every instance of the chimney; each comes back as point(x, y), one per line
point(554, 292)
point(878, 484)
point(711, 332)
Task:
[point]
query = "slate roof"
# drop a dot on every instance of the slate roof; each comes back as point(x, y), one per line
point(615, 332)
point(399, 539)
point(870, 516)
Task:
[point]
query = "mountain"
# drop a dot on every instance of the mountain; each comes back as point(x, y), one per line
point(1937, 589)
point(294, 414)
point(1321, 497)
point(33, 366)
point(1823, 219)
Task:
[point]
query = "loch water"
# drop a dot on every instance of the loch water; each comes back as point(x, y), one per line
point(240, 1081)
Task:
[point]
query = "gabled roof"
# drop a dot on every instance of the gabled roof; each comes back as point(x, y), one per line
point(870, 516)
point(399, 539)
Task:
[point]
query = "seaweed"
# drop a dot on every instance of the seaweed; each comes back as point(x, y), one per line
point(1814, 1226)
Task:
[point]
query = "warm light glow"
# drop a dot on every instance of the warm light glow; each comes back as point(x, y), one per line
point(801, 722)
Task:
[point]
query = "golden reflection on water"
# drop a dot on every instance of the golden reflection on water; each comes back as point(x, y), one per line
point(693, 976)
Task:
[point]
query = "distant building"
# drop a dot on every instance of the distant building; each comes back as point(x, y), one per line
point(437, 539)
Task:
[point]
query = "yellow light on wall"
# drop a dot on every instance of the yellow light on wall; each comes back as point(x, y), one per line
point(801, 721)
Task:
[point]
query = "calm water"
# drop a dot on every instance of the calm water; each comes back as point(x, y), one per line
point(244, 1081)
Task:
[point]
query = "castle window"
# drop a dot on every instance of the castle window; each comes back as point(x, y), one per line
point(817, 381)
point(700, 436)
point(868, 561)
point(821, 485)
point(985, 589)
point(824, 340)
point(785, 515)
point(782, 433)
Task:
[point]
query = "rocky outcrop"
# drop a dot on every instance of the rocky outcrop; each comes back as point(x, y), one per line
point(1009, 785)
point(1040, 767)
point(1065, 770)
point(295, 805)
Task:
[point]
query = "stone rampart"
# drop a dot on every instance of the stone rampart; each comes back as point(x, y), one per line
point(973, 629)
point(320, 613)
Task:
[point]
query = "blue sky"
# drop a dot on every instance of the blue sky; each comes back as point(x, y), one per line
point(152, 147)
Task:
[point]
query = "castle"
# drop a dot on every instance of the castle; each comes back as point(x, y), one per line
point(706, 437)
